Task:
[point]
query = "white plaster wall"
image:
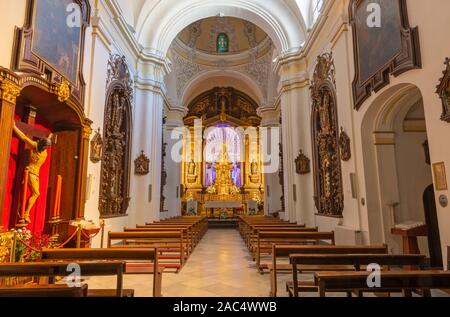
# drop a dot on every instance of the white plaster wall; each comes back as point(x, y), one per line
point(335, 35)
point(13, 14)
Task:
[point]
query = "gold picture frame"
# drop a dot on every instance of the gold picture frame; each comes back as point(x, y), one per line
point(440, 177)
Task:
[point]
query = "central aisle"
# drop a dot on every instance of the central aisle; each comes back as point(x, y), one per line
point(219, 266)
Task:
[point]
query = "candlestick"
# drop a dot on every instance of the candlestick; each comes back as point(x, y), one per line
point(57, 205)
point(24, 194)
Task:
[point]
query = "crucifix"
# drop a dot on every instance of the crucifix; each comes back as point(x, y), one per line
point(34, 157)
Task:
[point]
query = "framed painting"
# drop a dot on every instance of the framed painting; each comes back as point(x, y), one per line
point(384, 44)
point(57, 36)
point(51, 42)
point(440, 176)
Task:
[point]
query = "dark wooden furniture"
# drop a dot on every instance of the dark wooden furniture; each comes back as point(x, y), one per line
point(405, 281)
point(44, 291)
point(171, 243)
point(130, 255)
point(52, 269)
point(342, 262)
point(266, 239)
point(409, 236)
point(284, 251)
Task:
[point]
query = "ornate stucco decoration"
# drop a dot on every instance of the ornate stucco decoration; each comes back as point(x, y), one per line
point(118, 72)
point(344, 145)
point(142, 164)
point(115, 174)
point(63, 91)
point(328, 189)
point(9, 91)
point(302, 164)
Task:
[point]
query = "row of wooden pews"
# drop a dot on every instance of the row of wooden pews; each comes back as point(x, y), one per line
point(295, 249)
point(175, 239)
point(147, 249)
point(261, 233)
point(76, 265)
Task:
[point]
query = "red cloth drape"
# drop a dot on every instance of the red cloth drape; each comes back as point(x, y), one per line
point(14, 187)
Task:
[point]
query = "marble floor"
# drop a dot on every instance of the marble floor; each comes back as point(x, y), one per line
point(220, 266)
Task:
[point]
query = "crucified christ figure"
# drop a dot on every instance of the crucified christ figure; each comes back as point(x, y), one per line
point(38, 156)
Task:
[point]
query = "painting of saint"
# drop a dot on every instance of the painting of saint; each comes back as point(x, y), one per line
point(54, 39)
point(378, 45)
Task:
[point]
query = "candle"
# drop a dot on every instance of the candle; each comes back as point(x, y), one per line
point(24, 193)
point(57, 205)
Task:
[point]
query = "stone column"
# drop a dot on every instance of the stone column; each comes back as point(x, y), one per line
point(145, 191)
point(271, 160)
point(296, 136)
point(9, 90)
point(173, 160)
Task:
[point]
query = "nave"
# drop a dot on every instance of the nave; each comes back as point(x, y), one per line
point(220, 266)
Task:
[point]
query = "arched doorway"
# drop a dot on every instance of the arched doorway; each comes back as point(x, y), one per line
point(397, 168)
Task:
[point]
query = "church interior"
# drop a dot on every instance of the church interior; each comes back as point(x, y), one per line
point(200, 148)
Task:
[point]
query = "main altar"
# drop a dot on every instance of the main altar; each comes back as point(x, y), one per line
point(222, 170)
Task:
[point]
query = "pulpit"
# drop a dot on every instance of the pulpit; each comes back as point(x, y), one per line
point(409, 236)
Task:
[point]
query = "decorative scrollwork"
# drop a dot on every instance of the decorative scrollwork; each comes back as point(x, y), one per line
point(142, 164)
point(329, 196)
point(302, 164)
point(114, 188)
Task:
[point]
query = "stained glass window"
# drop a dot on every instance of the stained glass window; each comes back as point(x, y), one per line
point(222, 43)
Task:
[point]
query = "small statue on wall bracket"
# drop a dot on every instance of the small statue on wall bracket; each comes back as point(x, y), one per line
point(443, 90)
point(142, 165)
point(96, 147)
point(302, 164)
point(344, 145)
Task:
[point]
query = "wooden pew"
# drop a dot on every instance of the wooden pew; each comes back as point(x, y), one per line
point(44, 291)
point(191, 232)
point(251, 238)
point(266, 239)
point(172, 242)
point(284, 251)
point(245, 223)
point(405, 281)
point(129, 255)
point(188, 236)
point(59, 268)
point(343, 262)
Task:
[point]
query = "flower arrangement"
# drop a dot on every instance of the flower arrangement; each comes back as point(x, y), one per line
point(29, 246)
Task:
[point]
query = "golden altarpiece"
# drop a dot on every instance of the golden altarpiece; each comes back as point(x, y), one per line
point(222, 169)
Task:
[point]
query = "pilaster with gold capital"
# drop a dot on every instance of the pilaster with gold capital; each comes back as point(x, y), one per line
point(9, 91)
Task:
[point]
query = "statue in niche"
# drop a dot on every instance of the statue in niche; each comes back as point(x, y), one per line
point(223, 43)
point(192, 168)
point(254, 167)
point(324, 113)
point(37, 158)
